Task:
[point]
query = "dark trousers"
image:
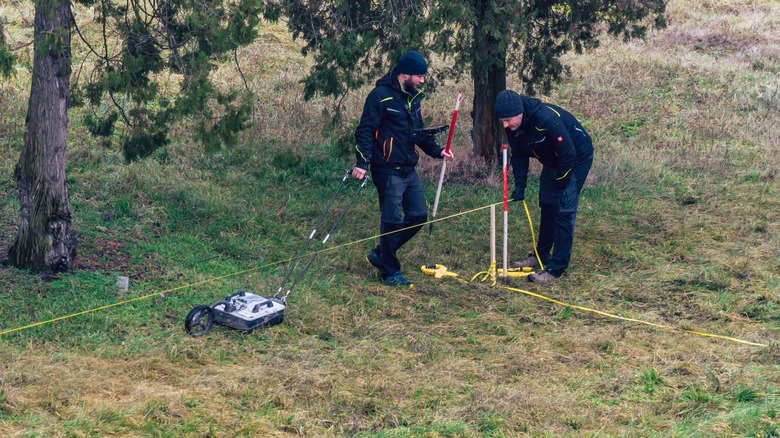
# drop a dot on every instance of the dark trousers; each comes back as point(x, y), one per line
point(402, 206)
point(558, 214)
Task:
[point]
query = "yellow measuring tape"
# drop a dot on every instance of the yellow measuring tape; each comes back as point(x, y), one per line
point(256, 268)
point(493, 273)
point(610, 315)
point(439, 271)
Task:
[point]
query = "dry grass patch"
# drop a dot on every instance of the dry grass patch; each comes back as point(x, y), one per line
point(741, 33)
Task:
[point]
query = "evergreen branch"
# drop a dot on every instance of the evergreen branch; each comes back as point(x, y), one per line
point(241, 73)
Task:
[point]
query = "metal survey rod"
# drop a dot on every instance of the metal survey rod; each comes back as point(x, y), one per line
point(444, 161)
point(493, 241)
point(506, 213)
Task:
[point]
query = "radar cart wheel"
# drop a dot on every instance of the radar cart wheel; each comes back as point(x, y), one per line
point(199, 321)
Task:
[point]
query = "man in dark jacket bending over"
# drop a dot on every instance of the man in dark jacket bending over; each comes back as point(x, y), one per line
point(555, 138)
point(386, 137)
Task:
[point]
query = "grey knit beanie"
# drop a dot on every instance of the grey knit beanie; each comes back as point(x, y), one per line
point(508, 104)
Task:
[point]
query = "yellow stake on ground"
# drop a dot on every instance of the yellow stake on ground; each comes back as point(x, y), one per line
point(438, 271)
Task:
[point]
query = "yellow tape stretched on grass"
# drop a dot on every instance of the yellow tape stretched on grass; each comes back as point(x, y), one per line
point(439, 271)
point(186, 286)
point(119, 303)
point(610, 315)
point(444, 273)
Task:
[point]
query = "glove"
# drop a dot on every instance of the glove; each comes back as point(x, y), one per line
point(518, 194)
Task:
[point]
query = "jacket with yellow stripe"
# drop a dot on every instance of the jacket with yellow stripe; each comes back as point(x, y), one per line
point(386, 137)
point(551, 135)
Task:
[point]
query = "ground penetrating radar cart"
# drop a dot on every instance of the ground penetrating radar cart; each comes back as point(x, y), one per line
point(246, 311)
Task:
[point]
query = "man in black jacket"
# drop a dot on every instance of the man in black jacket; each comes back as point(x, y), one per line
point(555, 138)
point(386, 137)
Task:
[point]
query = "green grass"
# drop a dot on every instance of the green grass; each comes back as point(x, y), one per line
point(677, 226)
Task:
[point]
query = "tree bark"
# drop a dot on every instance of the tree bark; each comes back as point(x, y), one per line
point(488, 72)
point(44, 239)
point(487, 133)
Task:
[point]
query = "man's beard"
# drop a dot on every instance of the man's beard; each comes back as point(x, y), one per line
point(409, 86)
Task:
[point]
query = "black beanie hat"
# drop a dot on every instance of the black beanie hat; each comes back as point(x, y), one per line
point(508, 104)
point(412, 63)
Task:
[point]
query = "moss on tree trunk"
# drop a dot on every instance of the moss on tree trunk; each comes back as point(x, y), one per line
point(44, 239)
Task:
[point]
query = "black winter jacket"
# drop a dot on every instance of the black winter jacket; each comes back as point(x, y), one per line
point(551, 135)
point(386, 136)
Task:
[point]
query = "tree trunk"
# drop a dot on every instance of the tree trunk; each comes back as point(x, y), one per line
point(44, 240)
point(487, 133)
point(488, 71)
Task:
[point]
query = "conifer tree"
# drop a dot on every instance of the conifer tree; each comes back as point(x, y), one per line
point(6, 58)
point(187, 38)
point(354, 41)
point(140, 40)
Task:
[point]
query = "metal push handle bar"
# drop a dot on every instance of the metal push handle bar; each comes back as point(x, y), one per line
point(322, 243)
point(313, 232)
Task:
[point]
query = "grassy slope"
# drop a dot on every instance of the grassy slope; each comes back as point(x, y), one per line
point(678, 226)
